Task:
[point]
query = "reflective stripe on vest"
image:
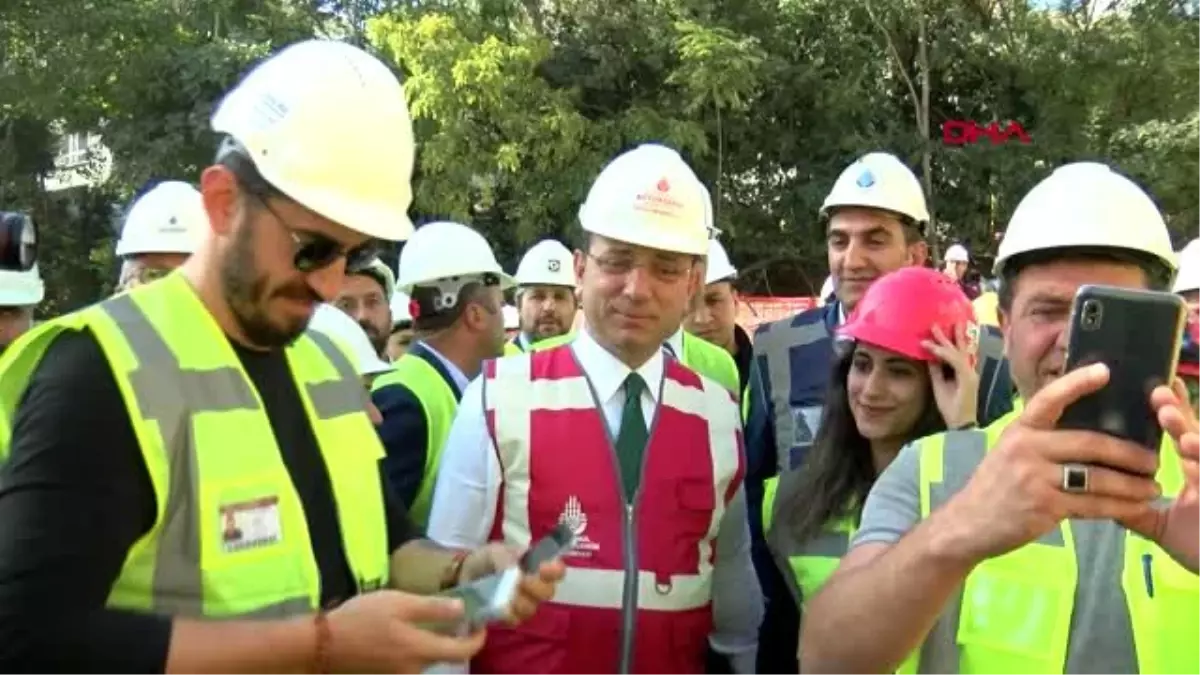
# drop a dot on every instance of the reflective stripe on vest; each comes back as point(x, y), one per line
point(185, 391)
point(812, 561)
point(542, 413)
point(439, 403)
point(1013, 614)
point(795, 411)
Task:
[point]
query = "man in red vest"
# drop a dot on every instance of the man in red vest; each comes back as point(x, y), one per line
point(639, 455)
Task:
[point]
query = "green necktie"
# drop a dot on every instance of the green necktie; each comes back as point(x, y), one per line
point(632, 436)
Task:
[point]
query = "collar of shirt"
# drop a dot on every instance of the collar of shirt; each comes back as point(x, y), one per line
point(460, 379)
point(523, 341)
point(841, 314)
point(675, 342)
point(606, 372)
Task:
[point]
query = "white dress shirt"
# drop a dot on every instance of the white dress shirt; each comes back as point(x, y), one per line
point(468, 490)
point(675, 342)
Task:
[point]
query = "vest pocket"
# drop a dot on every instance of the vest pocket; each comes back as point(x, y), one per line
point(540, 644)
point(1174, 604)
point(1016, 614)
point(696, 500)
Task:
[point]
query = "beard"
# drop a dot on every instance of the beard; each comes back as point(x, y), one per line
point(378, 338)
point(248, 292)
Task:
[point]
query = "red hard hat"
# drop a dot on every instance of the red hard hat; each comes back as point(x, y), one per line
point(899, 311)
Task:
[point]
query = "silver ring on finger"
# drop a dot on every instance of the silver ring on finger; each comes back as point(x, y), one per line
point(1075, 478)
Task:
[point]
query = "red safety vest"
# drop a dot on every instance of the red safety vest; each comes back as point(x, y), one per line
point(638, 589)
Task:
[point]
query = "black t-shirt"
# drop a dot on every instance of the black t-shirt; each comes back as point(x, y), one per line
point(75, 495)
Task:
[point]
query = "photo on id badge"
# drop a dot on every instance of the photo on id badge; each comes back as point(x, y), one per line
point(250, 524)
point(805, 422)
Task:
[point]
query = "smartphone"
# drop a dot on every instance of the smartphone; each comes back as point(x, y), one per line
point(559, 541)
point(1137, 334)
point(484, 600)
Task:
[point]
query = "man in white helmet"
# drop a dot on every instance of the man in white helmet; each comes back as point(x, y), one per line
point(217, 504)
point(402, 326)
point(365, 297)
point(875, 218)
point(957, 262)
point(956, 266)
point(637, 453)
point(160, 231)
point(1019, 547)
point(714, 313)
point(457, 290)
point(1187, 284)
point(20, 294)
point(545, 294)
point(696, 353)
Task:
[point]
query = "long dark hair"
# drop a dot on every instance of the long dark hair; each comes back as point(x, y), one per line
point(839, 472)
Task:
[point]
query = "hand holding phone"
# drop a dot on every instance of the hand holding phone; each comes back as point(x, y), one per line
point(484, 600)
point(1137, 335)
point(559, 541)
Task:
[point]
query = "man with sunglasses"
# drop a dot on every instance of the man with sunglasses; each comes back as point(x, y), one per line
point(160, 232)
point(190, 479)
point(456, 290)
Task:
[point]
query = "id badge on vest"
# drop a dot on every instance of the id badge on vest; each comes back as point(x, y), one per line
point(805, 422)
point(250, 524)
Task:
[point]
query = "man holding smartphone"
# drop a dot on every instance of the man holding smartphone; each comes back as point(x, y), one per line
point(1023, 548)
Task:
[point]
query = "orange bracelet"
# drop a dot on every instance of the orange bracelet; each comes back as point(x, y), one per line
point(324, 637)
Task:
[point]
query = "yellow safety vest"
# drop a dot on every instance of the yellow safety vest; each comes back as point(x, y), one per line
point(439, 405)
point(805, 566)
point(511, 348)
point(211, 454)
point(700, 355)
point(986, 308)
point(1015, 610)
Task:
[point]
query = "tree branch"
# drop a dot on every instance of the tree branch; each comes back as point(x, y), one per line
point(887, 37)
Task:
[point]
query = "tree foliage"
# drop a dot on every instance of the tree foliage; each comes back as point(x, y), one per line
point(519, 103)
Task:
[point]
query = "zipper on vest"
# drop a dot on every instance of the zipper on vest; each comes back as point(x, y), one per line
point(629, 592)
point(629, 604)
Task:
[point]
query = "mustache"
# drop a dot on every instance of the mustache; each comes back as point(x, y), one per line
point(297, 292)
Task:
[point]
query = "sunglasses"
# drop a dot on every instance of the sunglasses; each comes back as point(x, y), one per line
point(313, 251)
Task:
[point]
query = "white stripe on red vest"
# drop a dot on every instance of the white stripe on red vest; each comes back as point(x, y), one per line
point(553, 447)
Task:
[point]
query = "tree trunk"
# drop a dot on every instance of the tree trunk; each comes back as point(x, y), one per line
point(923, 124)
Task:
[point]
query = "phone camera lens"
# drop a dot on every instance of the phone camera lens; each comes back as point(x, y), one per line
point(1090, 317)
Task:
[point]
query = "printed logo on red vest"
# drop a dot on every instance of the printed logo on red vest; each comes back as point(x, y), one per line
point(574, 517)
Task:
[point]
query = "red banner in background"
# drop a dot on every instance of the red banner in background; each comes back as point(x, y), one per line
point(757, 309)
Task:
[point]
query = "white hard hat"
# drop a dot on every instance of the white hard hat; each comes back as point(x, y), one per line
point(879, 180)
point(400, 311)
point(650, 197)
point(450, 253)
point(957, 253)
point(1087, 204)
point(380, 272)
point(338, 325)
point(512, 317)
point(1189, 268)
point(327, 124)
point(170, 218)
point(21, 289)
point(547, 263)
point(717, 267)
